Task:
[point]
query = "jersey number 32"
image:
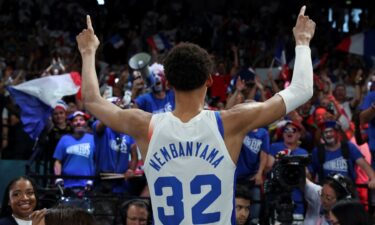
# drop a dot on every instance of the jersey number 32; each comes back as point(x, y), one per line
point(176, 199)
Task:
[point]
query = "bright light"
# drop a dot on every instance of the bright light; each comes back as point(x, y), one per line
point(100, 2)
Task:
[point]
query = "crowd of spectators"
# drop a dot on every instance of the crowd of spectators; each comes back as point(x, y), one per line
point(38, 39)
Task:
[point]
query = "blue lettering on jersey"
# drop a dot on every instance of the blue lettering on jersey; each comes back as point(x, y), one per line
point(181, 150)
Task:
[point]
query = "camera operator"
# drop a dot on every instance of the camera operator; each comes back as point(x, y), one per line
point(290, 146)
point(320, 199)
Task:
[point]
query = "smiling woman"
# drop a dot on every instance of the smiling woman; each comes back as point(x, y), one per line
point(20, 200)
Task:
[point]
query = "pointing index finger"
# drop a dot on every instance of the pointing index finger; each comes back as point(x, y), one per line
point(302, 11)
point(88, 22)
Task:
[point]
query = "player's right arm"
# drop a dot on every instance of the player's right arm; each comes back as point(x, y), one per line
point(131, 121)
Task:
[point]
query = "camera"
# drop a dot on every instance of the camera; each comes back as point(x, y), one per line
point(287, 174)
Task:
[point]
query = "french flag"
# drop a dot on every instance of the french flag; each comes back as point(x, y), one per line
point(360, 44)
point(159, 42)
point(37, 98)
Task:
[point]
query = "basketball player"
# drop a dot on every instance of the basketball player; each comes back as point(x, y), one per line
point(190, 154)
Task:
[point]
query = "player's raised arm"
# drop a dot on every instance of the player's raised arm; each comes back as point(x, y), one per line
point(248, 116)
point(120, 120)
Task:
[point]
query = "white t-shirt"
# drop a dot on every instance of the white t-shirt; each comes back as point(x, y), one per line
point(22, 222)
point(312, 197)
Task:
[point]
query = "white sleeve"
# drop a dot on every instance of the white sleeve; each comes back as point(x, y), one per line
point(301, 87)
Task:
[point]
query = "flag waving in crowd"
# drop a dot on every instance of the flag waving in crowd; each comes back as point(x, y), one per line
point(37, 98)
point(360, 44)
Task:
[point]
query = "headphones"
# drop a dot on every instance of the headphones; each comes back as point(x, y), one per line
point(342, 184)
point(137, 202)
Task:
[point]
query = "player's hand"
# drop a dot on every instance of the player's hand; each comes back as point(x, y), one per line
point(87, 40)
point(304, 29)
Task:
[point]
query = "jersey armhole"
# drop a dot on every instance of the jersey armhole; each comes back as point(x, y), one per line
point(219, 123)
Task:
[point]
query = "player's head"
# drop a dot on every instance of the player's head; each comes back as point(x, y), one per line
point(187, 67)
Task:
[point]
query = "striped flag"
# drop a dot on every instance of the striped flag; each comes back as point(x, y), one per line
point(360, 44)
point(37, 98)
point(159, 42)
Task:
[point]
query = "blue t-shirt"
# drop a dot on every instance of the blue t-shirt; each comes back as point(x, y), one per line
point(368, 100)
point(77, 158)
point(335, 162)
point(112, 155)
point(149, 103)
point(112, 150)
point(249, 159)
point(297, 194)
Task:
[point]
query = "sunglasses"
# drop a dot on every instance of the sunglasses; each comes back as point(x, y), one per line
point(290, 130)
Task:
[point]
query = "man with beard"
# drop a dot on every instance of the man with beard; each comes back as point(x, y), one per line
point(74, 153)
point(337, 155)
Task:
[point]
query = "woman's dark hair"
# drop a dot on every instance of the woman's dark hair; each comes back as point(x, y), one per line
point(63, 214)
point(342, 185)
point(187, 67)
point(6, 210)
point(350, 212)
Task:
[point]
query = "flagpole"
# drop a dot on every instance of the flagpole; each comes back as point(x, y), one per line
point(273, 61)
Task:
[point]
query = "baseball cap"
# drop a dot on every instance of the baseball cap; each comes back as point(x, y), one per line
point(78, 113)
point(330, 124)
point(296, 124)
point(61, 105)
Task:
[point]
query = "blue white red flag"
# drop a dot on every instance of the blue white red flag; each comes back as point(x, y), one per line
point(37, 98)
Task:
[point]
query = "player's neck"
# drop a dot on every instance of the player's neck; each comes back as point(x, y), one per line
point(189, 104)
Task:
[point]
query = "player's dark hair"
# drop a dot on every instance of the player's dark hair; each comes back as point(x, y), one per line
point(187, 67)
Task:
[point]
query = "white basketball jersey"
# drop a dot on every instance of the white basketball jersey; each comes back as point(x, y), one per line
point(189, 171)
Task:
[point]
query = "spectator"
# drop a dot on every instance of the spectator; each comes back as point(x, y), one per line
point(337, 155)
point(349, 212)
point(320, 199)
point(290, 146)
point(19, 201)
point(61, 215)
point(367, 115)
point(60, 128)
point(112, 154)
point(74, 153)
point(161, 98)
point(135, 212)
point(250, 167)
point(242, 204)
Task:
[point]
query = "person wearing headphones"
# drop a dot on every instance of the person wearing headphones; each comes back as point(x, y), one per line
point(320, 199)
point(135, 212)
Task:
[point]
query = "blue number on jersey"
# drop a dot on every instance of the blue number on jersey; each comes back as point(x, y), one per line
point(175, 200)
point(197, 211)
